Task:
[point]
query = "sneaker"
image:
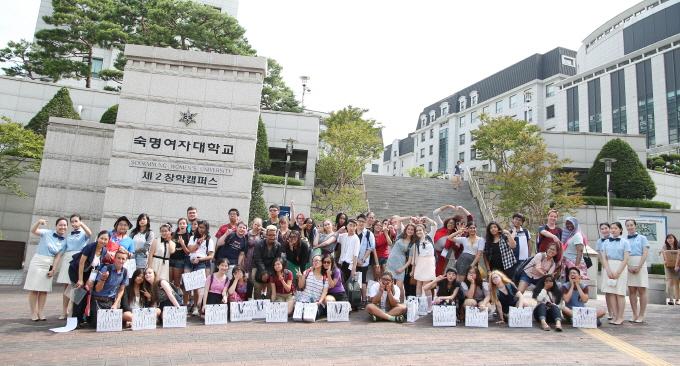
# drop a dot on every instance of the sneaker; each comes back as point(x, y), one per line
point(374, 318)
point(195, 312)
point(399, 318)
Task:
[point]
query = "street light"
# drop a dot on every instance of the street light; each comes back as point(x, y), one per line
point(608, 170)
point(289, 151)
point(305, 89)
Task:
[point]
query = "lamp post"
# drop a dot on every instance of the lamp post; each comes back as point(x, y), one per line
point(305, 89)
point(608, 170)
point(289, 151)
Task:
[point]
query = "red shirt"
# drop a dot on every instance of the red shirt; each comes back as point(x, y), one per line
point(226, 228)
point(544, 241)
point(381, 247)
point(287, 276)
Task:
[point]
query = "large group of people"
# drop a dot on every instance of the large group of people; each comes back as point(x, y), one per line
point(444, 258)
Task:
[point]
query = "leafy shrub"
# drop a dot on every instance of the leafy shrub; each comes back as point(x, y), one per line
point(109, 117)
point(275, 179)
point(625, 202)
point(59, 106)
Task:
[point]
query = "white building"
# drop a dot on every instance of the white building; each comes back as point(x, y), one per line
point(525, 90)
point(105, 58)
point(628, 78)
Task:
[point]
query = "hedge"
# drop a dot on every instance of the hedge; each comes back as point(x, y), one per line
point(657, 269)
point(275, 179)
point(625, 202)
point(109, 117)
point(59, 106)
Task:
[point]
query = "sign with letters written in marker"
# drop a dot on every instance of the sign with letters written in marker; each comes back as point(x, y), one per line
point(276, 312)
point(338, 311)
point(143, 318)
point(109, 320)
point(194, 280)
point(520, 317)
point(444, 316)
point(298, 311)
point(411, 309)
point(174, 317)
point(584, 317)
point(241, 311)
point(216, 314)
point(475, 317)
point(259, 308)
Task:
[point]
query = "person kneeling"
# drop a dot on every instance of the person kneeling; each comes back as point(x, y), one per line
point(109, 286)
point(384, 300)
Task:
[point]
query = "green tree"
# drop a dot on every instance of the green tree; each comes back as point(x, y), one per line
point(262, 161)
point(500, 137)
point(59, 106)
point(21, 59)
point(78, 27)
point(257, 205)
point(629, 178)
point(109, 117)
point(417, 172)
point(350, 142)
point(20, 152)
point(276, 95)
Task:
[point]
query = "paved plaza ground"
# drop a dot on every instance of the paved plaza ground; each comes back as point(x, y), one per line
point(355, 343)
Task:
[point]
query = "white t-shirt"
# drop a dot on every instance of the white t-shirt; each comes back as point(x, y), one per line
point(570, 253)
point(375, 287)
point(349, 247)
point(523, 243)
point(471, 248)
point(203, 249)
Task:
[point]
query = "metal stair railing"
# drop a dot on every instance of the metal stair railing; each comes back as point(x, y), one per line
point(478, 194)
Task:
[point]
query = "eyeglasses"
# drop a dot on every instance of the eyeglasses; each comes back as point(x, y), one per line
point(327, 262)
point(316, 260)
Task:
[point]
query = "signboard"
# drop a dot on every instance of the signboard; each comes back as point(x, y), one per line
point(143, 318)
point(655, 228)
point(475, 317)
point(194, 280)
point(444, 316)
point(109, 320)
point(584, 317)
point(338, 311)
point(241, 311)
point(520, 317)
point(216, 314)
point(276, 312)
point(174, 317)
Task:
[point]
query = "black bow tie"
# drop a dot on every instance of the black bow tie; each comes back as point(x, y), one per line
point(57, 236)
point(614, 239)
point(75, 232)
point(632, 236)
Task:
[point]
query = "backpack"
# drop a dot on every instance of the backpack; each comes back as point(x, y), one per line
point(520, 269)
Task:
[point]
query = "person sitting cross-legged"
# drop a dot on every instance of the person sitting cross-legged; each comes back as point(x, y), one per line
point(384, 300)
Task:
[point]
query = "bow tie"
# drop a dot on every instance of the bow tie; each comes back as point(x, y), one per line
point(614, 239)
point(632, 236)
point(75, 232)
point(57, 236)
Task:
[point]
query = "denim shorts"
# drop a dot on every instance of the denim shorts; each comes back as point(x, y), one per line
point(180, 263)
point(525, 278)
point(196, 267)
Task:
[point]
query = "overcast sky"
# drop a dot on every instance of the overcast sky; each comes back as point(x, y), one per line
point(391, 57)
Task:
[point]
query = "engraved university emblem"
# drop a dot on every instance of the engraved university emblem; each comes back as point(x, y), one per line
point(187, 117)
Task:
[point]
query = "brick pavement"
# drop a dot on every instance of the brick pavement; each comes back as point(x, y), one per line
point(355, 343)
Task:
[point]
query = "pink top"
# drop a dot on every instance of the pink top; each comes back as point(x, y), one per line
point(216, 285)
point(540, 261)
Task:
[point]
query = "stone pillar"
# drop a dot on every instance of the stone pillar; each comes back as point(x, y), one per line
point(185, 135)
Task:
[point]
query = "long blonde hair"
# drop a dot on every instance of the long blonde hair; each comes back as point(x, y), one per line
point(493, 288)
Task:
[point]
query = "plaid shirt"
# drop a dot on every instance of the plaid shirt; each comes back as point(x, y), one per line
point(507, 255)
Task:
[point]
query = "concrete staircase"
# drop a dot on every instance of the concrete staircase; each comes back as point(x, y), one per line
point(387, 196)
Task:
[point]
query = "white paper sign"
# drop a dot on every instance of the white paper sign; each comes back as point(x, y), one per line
point(174, 317)
point(444, 316)
point(241, 311)
point(475, 317)
point(259, 308)
point(109, 320)
point(424, 304)
point(338, 311)
point(216, 314)
point(143, 318)
point(520, 317)
point(71, 324)
point(309, 313)
point(298, 311)
point(194, 280)
point(358, 278)
point(584, 317)
point(411, 309)
point(276, 312)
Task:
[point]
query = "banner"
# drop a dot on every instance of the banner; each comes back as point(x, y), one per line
point(174, 317)
point(143, 318)
point(444, 316)
point(194, 280)
point(520, 317)
point(584, 317)
point(338, 311)
point(109, 320)
point(216, 314)
point(475, 317)
point(276, 312)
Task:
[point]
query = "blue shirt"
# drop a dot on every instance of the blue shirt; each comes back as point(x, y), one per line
point(113, 283)
point(575, 300)
point(615, 249)
point(126, 242)
point(598, 246)
point(637, 244)
point(367, 245)
point(50, 243)
point(76, 240)
point(89, 253)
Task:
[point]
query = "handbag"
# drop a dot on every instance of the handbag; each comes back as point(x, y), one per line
point(669, 258)
point(611, 282)
point(587, 260)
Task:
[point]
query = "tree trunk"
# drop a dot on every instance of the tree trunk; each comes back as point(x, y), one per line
point(88, 74)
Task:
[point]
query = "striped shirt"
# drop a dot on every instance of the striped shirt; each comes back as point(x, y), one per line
point(313, 288)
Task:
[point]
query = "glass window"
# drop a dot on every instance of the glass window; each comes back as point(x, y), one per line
point(443, 149)
point(473, 98)
point(461, 103)
point(461, 156)
point(422, 152)
point(485, 110)
point(473, 154)
point(431, 149)
point(618, 84)
point(594, 106)
point(572, 109)
point(672, 63)
point(550, 90)
point(550, 112)
point(461, 122)
point(474, 117)
point(429, 166)
point(422, 136)
point(461, 139)
point(513, 101)
point(431, 133)
point(529, 115)
point(645, 99)
point(375, 168)
point(499, 107)
point(97, 65)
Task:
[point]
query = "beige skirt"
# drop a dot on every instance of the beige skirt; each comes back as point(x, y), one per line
point(63, 267)
point(618, 288)
point(36, 277)
point(640, 279)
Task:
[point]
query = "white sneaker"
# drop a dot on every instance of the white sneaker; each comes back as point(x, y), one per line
point(195, 313)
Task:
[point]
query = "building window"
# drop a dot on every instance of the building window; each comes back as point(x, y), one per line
point(618, 82)
point(394, 165)
point(568, 61)
point(431, 149)
point(485, 167)
point(485, 110)
point(529, 115)
point(429, 166)
point(423, 120)
point(433, 116)
point(444, 108)
point(474, 117)
point(422, 136)
point(297, 164)
point(422, 152)
point(461, 156)
point(443, 149)
point(572, 109)
point(499, 107)
point(395, 153)
point(672, 63)
point(461, 103)
point(645, 99)
point(431, 133)
point(528, 96)
point(550, 90)
point(375, 168)
point(513, 101)
point(461, 139)
point(550, 112)
point(461, 122)
point(472, 135)
point(473, 154)
point(594, 106)
point(474, 97)
point(97, 66)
